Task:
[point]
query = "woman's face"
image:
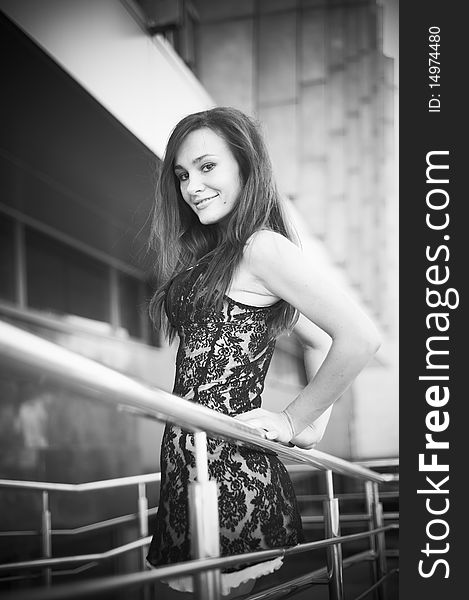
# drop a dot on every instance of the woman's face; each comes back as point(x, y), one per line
point(208, 174)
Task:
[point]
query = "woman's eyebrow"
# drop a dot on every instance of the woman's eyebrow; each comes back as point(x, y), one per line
point(195, 161)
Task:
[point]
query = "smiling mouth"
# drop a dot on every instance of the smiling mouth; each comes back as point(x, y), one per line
point(203, 203)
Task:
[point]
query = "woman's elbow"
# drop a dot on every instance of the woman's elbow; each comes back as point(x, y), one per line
point(363, 342)
point(370, 342)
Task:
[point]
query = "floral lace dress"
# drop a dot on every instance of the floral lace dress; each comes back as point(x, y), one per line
point(221, 363)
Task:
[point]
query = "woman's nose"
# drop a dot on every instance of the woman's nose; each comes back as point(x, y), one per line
point(194, 184)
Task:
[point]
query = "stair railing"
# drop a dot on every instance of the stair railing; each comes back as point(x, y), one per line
point(106, 385)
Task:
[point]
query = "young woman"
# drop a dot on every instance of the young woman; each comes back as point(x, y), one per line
point(232, 278)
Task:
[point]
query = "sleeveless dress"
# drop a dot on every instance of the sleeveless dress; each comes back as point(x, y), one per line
point(221, 363)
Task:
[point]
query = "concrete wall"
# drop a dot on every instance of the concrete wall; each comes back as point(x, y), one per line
point(315, 75)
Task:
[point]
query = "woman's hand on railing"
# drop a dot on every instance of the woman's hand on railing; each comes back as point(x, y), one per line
point(313, 434)
point(273, 425)
point(277, 427)
point(308, 438)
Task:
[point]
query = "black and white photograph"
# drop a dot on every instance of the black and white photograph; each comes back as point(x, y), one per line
point(230, 300)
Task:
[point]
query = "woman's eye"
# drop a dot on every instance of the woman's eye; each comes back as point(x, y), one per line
point(181, 176)
point(207, 167)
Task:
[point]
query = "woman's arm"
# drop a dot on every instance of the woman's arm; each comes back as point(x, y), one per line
point(316, 344)
point(286, 272)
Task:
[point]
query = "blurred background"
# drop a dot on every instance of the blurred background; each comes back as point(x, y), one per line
point(90, 92)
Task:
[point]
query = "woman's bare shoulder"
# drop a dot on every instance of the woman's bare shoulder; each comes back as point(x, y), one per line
point(265, 243)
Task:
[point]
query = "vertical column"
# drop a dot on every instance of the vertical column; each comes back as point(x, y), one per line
point(143, 316)
point(378, 521)
point(46, 534)
point(203, 516)
point(352, 147)
point(375, 510)
point(390, 287)
point(364, 143)
point(312, 119)
point(143, 531)
point(20, 266)
point(373, 545)
point(277, 93)
point(336, 214)
point(334, 553)
point(114, 299)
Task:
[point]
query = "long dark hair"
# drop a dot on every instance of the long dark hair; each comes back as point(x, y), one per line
point(180, 241)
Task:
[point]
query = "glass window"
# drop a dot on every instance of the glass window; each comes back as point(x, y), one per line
point(7, 258)
point(63, 280)
point(131, 304)
point(154, 336)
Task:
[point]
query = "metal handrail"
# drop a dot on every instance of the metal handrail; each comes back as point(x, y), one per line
point(345, 496)
point(379, 462)
point(293, 586)
point(188, 566)
point(371, 463)
point(124, 393)
point(41, 563)
point(377, 584)
point(119, 582)
point(83, 529)
point(80, 487)
point(348, 518)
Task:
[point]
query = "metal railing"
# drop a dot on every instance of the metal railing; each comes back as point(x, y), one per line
point(111, 387)
point(47, 533)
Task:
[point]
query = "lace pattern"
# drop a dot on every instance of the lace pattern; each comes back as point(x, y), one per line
point(221, 363)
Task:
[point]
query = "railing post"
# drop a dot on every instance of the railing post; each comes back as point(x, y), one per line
point(143, 531)
point(377, 543)
point(46, 535)
point(203, 514)
point(332, 529)
point(373, 544)
point(378, 521)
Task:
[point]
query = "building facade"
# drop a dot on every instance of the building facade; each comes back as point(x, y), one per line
point(85, 119)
